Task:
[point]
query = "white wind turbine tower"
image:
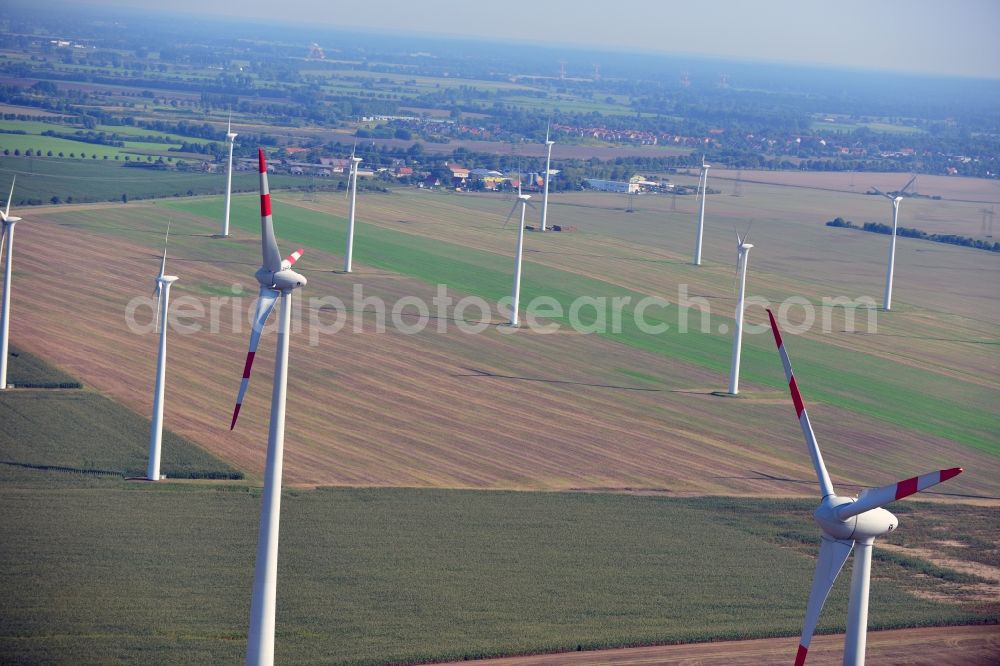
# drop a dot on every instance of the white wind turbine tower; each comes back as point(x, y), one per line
point(703, 189)
point(277, 279)
point(162, 291)
point(846, 523)
point(742, 260)
point(7, 238)
point(522, 200)
point(353, 193)
point(231, 140)
point(887, 295)
point(548, 176)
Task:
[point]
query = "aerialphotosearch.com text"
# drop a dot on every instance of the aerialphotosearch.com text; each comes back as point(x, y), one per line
point(323, 315)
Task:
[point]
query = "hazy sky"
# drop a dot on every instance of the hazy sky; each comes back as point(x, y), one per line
point(931, 36)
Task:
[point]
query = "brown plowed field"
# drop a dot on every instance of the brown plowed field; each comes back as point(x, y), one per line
point(494, 410)
point(944, 646)
point(946, 187)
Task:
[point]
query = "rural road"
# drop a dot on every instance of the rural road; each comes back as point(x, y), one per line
point(935, 646)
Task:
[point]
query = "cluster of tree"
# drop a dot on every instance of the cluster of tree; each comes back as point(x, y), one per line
point(98, 138)
point(908, 232)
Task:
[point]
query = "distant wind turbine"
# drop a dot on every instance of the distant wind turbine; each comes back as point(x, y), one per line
point(522, 200)
point(548, 176)
point(742, 261)
point(887, 296)
point(277, 279)
point(231, 140)
point(7, 238)
point(703, 188)
point(353, 179)
point(162, 291)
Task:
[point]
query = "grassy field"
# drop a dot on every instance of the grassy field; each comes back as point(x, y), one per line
point(87, 181)
point(26, 370)
point(874, 126)
point(34, 140)
point(162, 573)
point(82, 432)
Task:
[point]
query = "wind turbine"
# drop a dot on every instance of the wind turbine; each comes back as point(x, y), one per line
point(548, 175)
point(742, 260)
point(846, 523)
point(231, 140)
point(277, 279)
point(887, 296)
point(703, 187)
point(162, 291)
point(522, 200)
point(7, 238)
point(353, 178)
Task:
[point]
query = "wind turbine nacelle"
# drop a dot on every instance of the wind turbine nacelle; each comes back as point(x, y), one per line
point(231, 136)
point(870, 524)
point(284, 280)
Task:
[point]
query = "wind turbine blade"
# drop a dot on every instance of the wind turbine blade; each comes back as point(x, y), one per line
point(6, 212)
point(908, 183)
point(547, 126)
point(736, 273)
point(876, 497)
point(229, 127)
point(292, 258)
point(825, 486)
point(163, 261)
point(268, 297)
point(833, 553)
point(268, 245)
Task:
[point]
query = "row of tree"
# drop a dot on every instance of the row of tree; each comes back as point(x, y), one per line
point(908, 232)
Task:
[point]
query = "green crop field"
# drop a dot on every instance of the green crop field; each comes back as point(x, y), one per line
point(103, 571)
point(25, 370)
point(87, 181)
point(899, 394)
point(82, 432)
point(34, 140)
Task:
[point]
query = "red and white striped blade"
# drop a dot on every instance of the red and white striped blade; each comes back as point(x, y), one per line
point(265, 303)
point(825, 486)
point(268, 245)
point(876, 497)
point(290, 260)
point(833, 553)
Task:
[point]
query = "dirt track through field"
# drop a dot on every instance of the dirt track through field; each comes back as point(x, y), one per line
point(494, 410)
point(944, 646)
